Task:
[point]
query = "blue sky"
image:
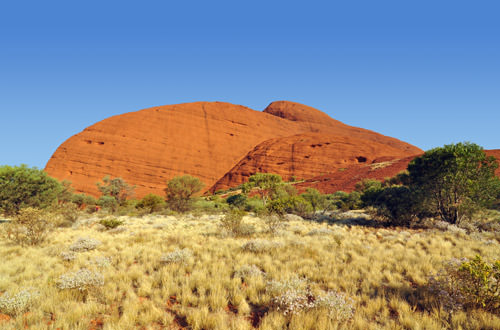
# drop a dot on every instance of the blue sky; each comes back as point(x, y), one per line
point(426, 72)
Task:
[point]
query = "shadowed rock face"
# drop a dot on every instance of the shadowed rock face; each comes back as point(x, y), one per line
point(207, 140)
point(304, 156)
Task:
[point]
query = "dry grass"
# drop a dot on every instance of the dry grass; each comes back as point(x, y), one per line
point(382, 270)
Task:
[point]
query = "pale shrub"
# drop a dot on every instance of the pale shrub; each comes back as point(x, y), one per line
point(82, 280)
point(13, 304)
point(247, 271)
point(30, 227)
point(84, 244)
point(338, 305)
point(177, 256)
point(260, 245)
point(101, 262)
point(68, 255)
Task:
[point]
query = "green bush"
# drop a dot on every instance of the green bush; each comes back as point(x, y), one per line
point(347, 201)
point(467, 284)
point(266, 184)
point(180, 191)
point(111, 223)
point(22, 187)
point(151, 203)
point(238, 201)
point(108, 203)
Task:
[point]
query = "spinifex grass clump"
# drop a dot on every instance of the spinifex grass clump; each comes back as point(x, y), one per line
point(260, 246)
point(13, 304)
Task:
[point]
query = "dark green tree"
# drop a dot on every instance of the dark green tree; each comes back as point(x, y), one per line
point(180, 191)
point(151, 203)
point(21, 186)
point(454, 181)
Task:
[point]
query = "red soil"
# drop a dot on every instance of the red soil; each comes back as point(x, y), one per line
point(203, 139)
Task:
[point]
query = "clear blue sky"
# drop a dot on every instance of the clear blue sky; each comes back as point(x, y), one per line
point(426, 72)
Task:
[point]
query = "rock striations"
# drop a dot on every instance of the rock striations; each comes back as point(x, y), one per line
point(221, 143)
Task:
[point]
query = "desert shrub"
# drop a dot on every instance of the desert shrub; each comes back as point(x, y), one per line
point(247, 271)
point(273, 222)
point(83, 280)
point(68, 255)
point(180, 191)
point(347, 201)
point(255, 204)
point(237, 201)
point(29, 227)
point(260, 246)
point(22, 187)
point(467, 284)
point(151, 203)
point(212, 205)
point(84, 244)
point(289, 204)
point(111, 223)
point(317, 200)
point(82, 200)
point(294, 296)
point(177, 256)
point(14, 304)
point(108, 203)
point(396, 204)
point(67, 212)
point(454, 182)
point(232, 222)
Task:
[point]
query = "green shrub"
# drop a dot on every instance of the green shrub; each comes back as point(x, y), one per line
point(180, 191)
point(111, 223)
point(467, 284)
point(22, 187)
point(151, 203)
point(30, 227)
point(265, 183)
point(237, 201)
point(347, 201)
point(108, 203)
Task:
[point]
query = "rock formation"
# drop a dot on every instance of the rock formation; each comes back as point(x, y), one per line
point(207, 140)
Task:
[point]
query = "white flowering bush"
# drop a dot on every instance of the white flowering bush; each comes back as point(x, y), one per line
point(101, 262)
point(13, 304)
point(84, 244)
point(82, 280)
point(339, 306)
point(177, 256)
point(68, 255)
point(294, 296)
point(260, 245)
point(247, 271)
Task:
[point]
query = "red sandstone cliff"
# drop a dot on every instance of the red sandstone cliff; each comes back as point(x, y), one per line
point(203, 139)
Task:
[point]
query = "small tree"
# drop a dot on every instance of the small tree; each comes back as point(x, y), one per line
point(21, 186)
point(29, 227)
point(266, 183)
point(116, 188)
point(455, 181)
point(180, 190)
